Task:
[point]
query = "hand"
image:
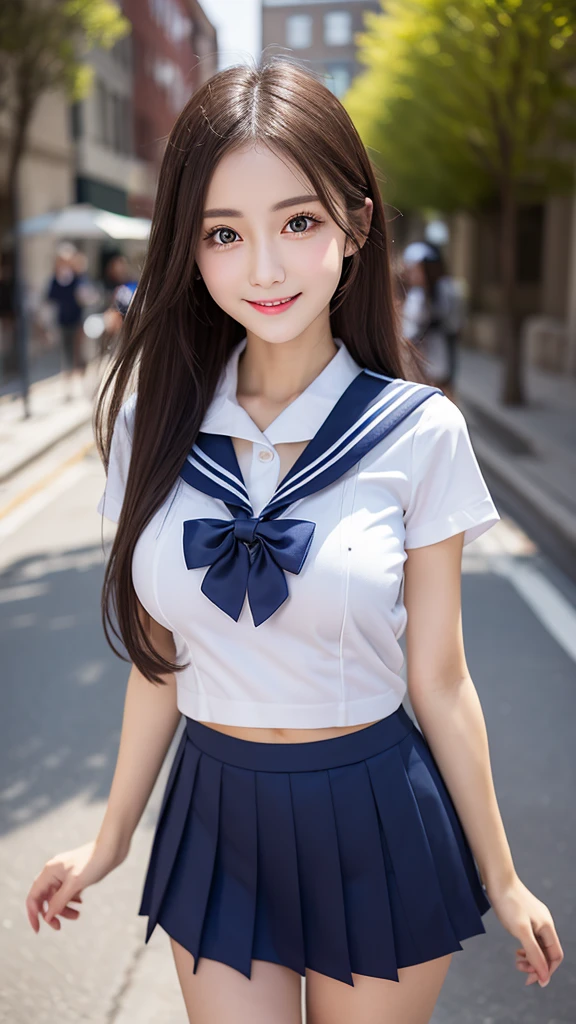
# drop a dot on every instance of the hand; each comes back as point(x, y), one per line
point(63, 878)
point(530, 921)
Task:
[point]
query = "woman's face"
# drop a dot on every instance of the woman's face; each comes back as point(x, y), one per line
point(259, 253)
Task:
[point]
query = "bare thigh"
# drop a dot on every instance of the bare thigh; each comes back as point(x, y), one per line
point(219, 994)
point(410, 1000)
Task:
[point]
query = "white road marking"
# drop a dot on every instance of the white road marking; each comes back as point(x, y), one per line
point(506, 550)
point(548, 604)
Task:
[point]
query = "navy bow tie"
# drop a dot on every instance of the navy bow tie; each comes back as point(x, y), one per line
point(247, 555)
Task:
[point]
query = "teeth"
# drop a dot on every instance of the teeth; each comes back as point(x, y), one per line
point(281, 303)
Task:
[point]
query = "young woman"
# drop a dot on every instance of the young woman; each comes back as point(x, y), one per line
point(289, 496)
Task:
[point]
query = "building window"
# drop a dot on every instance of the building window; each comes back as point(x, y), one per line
point(338, 28)
point(101, 97)
point(299, 31)
point(339, 80)
point(168, 15)
point(113, 120)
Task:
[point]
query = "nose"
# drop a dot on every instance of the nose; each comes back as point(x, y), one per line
point(266, 268)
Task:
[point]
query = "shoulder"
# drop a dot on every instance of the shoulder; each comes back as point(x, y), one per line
point(435, 413)
point(123, 432)
point(441, 430)
point(438, 415)
point(435, 424)
point(126, 415)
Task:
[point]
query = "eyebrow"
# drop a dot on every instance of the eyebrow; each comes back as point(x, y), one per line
point(224, 212)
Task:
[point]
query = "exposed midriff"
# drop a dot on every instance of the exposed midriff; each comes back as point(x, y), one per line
point(263, 735)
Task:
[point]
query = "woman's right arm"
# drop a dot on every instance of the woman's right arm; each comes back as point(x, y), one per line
point(150, 719)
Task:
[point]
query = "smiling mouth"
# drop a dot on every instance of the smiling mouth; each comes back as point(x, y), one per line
point(272, 302)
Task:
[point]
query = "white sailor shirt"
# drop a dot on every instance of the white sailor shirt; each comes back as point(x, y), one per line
point(313, 639)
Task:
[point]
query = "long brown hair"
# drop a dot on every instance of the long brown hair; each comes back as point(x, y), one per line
point(176, 340)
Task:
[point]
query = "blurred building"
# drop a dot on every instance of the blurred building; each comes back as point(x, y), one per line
point(320, 33)
point(106, 150)
point(140, 86)
point(545, 279)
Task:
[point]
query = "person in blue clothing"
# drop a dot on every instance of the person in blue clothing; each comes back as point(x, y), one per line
point(121, 283)
point(65, 291)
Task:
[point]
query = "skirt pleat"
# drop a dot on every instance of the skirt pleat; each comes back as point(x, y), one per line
point(453, 831)
point(231, 906)
point(423, 905)
point(460, 898)
point(169, 831)
point(279, 933)
point(321, 890)
point(342, 856)
point(184, 905)
point(366, 898)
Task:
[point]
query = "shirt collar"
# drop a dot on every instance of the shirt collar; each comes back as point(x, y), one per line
point(299, 421)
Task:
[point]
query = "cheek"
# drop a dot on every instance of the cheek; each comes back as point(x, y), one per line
point(223, 277)
point(320, 257)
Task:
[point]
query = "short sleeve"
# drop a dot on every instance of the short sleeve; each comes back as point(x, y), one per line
point(112, 497)
point(448, 493)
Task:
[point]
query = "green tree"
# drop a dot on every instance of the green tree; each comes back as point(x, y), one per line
point(42, 47)
point(468, 101)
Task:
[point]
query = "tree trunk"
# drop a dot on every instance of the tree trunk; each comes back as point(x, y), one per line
point(513, 388)
point(11, 214)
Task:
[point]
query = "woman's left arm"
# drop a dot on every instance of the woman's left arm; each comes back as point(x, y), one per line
point(449, 713)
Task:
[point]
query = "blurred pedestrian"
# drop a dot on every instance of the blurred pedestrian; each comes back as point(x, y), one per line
point(432, 312)
point(65, 290)
point(121, 282)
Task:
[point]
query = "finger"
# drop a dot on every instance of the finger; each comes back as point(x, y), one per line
point(57, 904)
point(549, 941)
point(536, 956)
point(40, 891)
point(70, 913)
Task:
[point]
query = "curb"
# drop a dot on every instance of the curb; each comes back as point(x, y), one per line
point(552, 513)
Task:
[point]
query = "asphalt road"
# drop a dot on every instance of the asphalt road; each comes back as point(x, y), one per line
point(63, 692)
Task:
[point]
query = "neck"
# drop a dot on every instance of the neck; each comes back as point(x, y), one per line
point(279, 372)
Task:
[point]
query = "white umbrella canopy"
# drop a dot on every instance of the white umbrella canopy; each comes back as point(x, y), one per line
point(82, 220)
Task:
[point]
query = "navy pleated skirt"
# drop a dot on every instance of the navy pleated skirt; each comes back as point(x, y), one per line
point(344, 856)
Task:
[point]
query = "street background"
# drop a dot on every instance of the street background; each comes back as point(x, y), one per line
point(86, 157)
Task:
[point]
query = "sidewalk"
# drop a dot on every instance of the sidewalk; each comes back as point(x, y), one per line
point(532, 449)
point(51, 420)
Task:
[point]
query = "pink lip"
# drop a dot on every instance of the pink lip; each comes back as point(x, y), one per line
point(272, 310)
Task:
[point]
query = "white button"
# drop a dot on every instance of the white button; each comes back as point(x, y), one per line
point(265, 455)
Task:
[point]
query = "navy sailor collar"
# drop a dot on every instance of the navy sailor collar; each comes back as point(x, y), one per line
point(248, 554)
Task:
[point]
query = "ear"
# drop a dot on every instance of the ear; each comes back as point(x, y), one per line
point(365, 217)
